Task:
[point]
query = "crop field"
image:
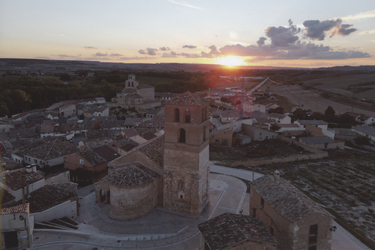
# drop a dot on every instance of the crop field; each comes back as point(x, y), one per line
point(360, 86)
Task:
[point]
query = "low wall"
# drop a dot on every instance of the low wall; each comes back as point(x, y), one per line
point(66, 209)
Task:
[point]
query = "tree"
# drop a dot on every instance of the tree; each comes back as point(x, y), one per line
point(299, 113)
point(274, 127)
point(362, 140)
point(330, 111)
point(65, 77)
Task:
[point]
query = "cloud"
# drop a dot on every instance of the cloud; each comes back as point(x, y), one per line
point(316, 29)
point(261, 41)
point(282, 36)
point(135, 58)
point(100, 54)
point(362, 15)
point(213, 52)
point(172, 54)
point(148, 51)
point(189, 46)
point(299, 50)
point(90, 47)
point(185, 4)
point(342, 30)
point(115, 54)
point(164, 48)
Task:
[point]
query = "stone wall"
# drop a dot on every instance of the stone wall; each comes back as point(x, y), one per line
point(129, 203)
point(291, 235)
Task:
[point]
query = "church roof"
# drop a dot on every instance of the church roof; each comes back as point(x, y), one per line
point(128, 91)
point(188, 99)
point(285, 199)
point(130, 175)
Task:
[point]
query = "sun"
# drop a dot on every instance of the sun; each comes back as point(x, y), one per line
point(231, 61)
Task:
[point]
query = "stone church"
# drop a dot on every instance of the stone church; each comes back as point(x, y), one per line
point(135, 93)
point(170, 171)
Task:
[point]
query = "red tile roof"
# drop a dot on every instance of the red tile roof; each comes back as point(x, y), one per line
point(17, 179)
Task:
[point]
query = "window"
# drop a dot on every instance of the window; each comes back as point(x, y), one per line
point(271, 231)
point(81, 161)
point(313, 237)
point(254, 212)
point(177, 115)
point(262, 202)
point(187, 115)
point(182, 138)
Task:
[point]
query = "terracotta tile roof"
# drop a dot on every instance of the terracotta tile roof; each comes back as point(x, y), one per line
point(22, 208)
point(154, 150)
point(129, 146)
point(129, 132)
point(52, 148)
point(229, 229)
point(47, 197)
point(92, 157)
point(148, 135)
point(17, 179)
point(106, 152)
point(156, 122)
point(133, 174)
point(286, 199)
point(188, 99)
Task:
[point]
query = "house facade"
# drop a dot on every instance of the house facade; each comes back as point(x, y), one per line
point(296, 221)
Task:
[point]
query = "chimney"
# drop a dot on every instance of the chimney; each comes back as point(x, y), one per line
point(29, 168)
point(276, 174)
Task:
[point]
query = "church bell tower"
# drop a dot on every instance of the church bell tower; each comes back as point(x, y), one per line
point(186, 154)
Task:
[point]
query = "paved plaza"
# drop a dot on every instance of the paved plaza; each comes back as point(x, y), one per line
point(162, 229)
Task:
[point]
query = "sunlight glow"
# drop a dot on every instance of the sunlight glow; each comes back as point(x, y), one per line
point(231, 61)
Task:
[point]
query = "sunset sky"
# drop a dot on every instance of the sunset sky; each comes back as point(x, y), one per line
point(289, 33)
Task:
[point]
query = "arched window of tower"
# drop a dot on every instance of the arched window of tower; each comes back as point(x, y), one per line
point(182, 136)
point(187, 116)
point(177, 115)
